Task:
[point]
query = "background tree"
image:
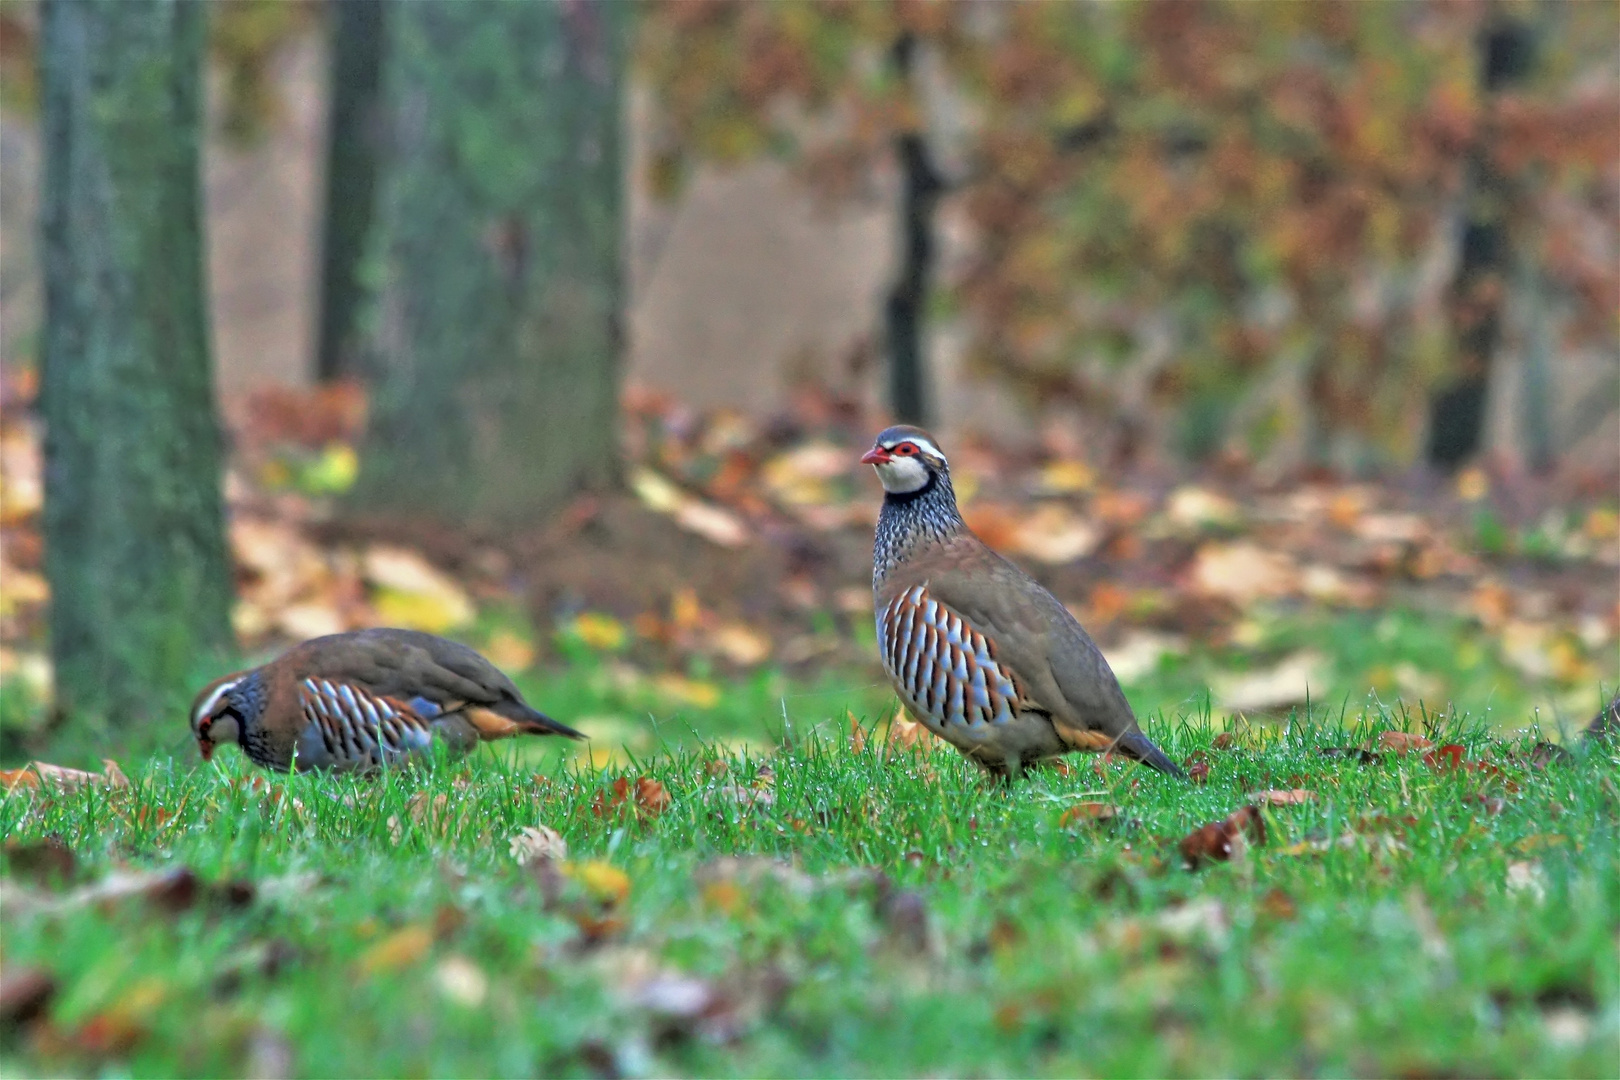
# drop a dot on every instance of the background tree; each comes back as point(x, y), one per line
point(496, 341)
point(1244, 201)
point(354, 129)
point(135, 547)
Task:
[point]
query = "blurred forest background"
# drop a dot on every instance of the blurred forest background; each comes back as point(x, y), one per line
point(556, 324)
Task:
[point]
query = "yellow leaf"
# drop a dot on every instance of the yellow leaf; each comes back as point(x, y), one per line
point(601, 632)
point(413, 593)
point(507, 650)
point(398, 950)
point(741, 644)
point(694, 692)
point(602, 880)
point(417, 611)
point(1065, 477)
point(334, 472)
point(1243, 572)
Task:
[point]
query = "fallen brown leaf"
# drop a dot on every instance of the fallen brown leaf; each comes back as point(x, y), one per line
point(400, 949)
point(48, 860)
point(1087, 813)
point(1402, 742)
point(1220, 840)
point(537, 842)
point(24, 995)
point(1277, 904)
point(43, 774)
point(1445, 758)
point(651, 797)
point(1293, 797)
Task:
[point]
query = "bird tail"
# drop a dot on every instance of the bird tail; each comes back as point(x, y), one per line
point(1140, 747)
point(494, 725)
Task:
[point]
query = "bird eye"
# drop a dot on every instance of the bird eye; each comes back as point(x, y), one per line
point(906, 449)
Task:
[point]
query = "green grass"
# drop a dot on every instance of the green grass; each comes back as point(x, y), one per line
point(877, 915)
point(880, 915)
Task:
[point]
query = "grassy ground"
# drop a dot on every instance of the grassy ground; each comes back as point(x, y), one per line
point(833, 910)
point(748, 889)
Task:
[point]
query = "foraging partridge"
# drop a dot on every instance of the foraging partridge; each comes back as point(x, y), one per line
point(976, 648)
point(362, 700)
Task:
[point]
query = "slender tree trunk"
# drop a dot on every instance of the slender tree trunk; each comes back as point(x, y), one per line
point(498, 239)
point(354, 123)
point(1478, 292)
point(134, 528)
point(906, 311)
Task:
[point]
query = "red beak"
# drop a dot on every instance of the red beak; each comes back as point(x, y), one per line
point(205, 747)
point(876, 456)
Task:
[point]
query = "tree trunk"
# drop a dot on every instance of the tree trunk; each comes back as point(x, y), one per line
point(1478, 292)
point(134, 526)
point(352, 141)
point(906, 312)
point(498, 240)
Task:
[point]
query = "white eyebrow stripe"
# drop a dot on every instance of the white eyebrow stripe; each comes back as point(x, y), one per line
point(208, 703)
point(920, 443)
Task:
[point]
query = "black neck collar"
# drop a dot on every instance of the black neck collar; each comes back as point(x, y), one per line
point(901, 498)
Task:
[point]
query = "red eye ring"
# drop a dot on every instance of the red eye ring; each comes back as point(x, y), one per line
point(905, 449)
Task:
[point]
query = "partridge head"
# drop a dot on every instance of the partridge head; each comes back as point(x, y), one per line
point(979, 652)
point(362, 700)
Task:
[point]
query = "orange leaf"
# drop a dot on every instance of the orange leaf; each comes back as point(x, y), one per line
point(1095, 812)
point(1402, 742)
point(651, 797)
point(1293, 797)
point(1220, 840)
point(1445, 759)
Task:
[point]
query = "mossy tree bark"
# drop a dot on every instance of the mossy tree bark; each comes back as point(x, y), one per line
point(134, 526)
point(352, 140)
point(1478, 294)
point(495, 342)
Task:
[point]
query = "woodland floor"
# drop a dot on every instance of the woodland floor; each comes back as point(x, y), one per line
point(754, 867)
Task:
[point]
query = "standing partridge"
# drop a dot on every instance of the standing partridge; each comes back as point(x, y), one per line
point(979, 652)
point(362, 700)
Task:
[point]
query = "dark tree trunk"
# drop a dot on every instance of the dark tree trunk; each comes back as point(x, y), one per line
point(906, 312)
point(498, 242)
point(134, 528)
point(354, 127)
point(1478, 292)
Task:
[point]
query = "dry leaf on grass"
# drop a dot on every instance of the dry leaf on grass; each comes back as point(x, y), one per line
point(25, 993)
point(1292, 797)
point(48, 860)
point(1403, 742)
point(38, 774)
point(1243, 572)
point(705, 519)
point(537, 842)
point(647, 795)
point(461, 981)
point(1288, 683)
point(1444, 759)
point(1054, 534)
point(1087, 813)
point(167, 891)
point(413, 593)
point(398, 950)
point(1221, 840)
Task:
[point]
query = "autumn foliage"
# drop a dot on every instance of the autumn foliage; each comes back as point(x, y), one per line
point(1257, 204)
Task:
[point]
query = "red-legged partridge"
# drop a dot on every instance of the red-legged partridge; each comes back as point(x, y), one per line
point(362, 700)
point(976, 648)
